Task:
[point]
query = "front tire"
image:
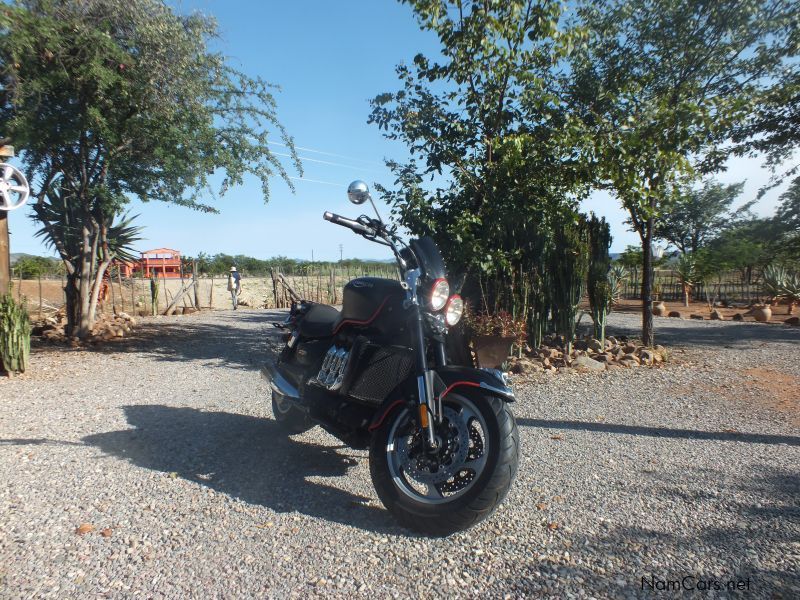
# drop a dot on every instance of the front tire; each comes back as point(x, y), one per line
point(464, 483)
point(292, 419)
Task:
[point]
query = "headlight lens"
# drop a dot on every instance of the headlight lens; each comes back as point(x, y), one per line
point(454, 310)
point(439, 294)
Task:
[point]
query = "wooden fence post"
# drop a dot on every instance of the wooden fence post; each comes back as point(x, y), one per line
point(196, 285)
point(121, 293)
point(274, 287)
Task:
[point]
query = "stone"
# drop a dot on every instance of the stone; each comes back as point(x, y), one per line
point(595, 345)
point(628, 362)
point(698, 317)
point(632, 357)
point(646, 356)
point(629, 348)
point(717, 315)
point(793, 320)
point(738, 317)
point(584, 362)
point(659, 309)
point(605, 358)
point(675, 314)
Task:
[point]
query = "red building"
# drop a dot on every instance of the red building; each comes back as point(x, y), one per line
point(160, 262)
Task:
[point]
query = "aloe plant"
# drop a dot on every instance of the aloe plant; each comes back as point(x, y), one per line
point(15, 335)
point(782, 284)
point(617, 275)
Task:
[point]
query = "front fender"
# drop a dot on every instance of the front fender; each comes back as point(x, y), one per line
point(490, 381)
point(447, 379)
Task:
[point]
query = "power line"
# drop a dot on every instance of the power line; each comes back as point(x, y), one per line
point(326, 162)
point(306, 149)
point(317, 181)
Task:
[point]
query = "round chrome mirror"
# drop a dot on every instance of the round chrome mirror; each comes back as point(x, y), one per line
point(14, 188)
point(358, 192)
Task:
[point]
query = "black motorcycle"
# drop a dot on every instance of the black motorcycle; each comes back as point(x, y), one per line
point(443, 443)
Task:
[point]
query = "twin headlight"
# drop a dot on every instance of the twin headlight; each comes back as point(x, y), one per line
point(441, 299)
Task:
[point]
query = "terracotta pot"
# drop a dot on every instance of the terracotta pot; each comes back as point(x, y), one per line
point(492, 350)
point(659, 309)
point(762, 314)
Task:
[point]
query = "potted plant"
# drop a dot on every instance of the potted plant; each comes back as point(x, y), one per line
point(493, 335)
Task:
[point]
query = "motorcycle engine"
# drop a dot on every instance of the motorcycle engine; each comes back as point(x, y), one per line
point(334, 366)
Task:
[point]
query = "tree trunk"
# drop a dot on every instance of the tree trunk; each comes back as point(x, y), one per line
point(82, 326)
point(647, 284)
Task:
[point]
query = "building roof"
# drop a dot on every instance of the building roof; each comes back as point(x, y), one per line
point(161, 251)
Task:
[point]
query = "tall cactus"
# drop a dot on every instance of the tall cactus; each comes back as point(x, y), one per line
point(569, 263)
point(15, 335)
point(599, 287)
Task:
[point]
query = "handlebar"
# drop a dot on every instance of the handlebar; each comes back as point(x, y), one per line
point(349, 223)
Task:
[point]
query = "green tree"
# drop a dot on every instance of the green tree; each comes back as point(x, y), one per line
point(482, 124)
point(787, 221)
point(696, 215)
point(662, 85)
point(117, 98)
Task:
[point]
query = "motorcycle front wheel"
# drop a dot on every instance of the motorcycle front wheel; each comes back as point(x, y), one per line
point(449, 490)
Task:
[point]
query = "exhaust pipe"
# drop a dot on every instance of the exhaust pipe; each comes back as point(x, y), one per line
point(278, 382)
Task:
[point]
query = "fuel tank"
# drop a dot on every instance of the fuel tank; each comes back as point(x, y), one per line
point(374, 302)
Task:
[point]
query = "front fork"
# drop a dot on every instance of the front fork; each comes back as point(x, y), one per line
point(429, 407)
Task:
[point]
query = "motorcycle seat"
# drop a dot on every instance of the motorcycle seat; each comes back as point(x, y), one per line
point(320, 321)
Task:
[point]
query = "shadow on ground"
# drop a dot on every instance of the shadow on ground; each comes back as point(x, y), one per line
point(245, 457)
point(663, 432)
point(712, 333)
point(239, 339)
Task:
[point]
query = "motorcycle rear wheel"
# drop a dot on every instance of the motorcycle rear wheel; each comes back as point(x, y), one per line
point(466, 481)
point(292, 419)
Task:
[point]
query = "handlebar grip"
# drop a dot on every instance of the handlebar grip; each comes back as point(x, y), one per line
point(349, 223)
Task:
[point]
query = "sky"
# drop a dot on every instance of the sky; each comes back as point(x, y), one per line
point(330, 59)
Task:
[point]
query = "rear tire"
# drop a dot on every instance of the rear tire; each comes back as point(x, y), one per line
point(291, 419)
point(438, 515)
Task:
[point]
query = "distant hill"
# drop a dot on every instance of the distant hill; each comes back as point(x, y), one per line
point(15, 256)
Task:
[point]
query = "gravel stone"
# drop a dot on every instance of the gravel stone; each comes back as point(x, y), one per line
point(166, 442)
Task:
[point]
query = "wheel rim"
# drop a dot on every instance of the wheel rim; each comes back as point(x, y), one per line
point(282, 405)
point(453, 470)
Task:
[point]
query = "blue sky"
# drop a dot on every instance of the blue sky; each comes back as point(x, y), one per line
point(329, 58)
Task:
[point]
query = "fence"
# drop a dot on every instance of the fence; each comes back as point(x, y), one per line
point(137, 295)
point(728, 286)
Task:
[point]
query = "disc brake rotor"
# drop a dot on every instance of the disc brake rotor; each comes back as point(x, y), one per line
point(449, 462)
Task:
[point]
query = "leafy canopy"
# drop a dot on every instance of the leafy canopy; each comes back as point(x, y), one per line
point(697, 215)
point(123, 97)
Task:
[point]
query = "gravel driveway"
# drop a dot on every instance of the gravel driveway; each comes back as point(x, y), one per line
point(165, 445)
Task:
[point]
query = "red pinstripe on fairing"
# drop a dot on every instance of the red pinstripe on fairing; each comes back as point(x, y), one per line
point(366, 322)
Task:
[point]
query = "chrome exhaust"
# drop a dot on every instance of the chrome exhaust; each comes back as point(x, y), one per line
point(278, 382)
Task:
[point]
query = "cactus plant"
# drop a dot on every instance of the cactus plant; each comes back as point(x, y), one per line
point(15, 335)
point(597, 280)
point(569, 263)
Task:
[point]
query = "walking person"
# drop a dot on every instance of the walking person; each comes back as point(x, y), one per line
point(234, 286)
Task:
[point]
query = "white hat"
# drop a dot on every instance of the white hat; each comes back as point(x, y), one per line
point(233, 268)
